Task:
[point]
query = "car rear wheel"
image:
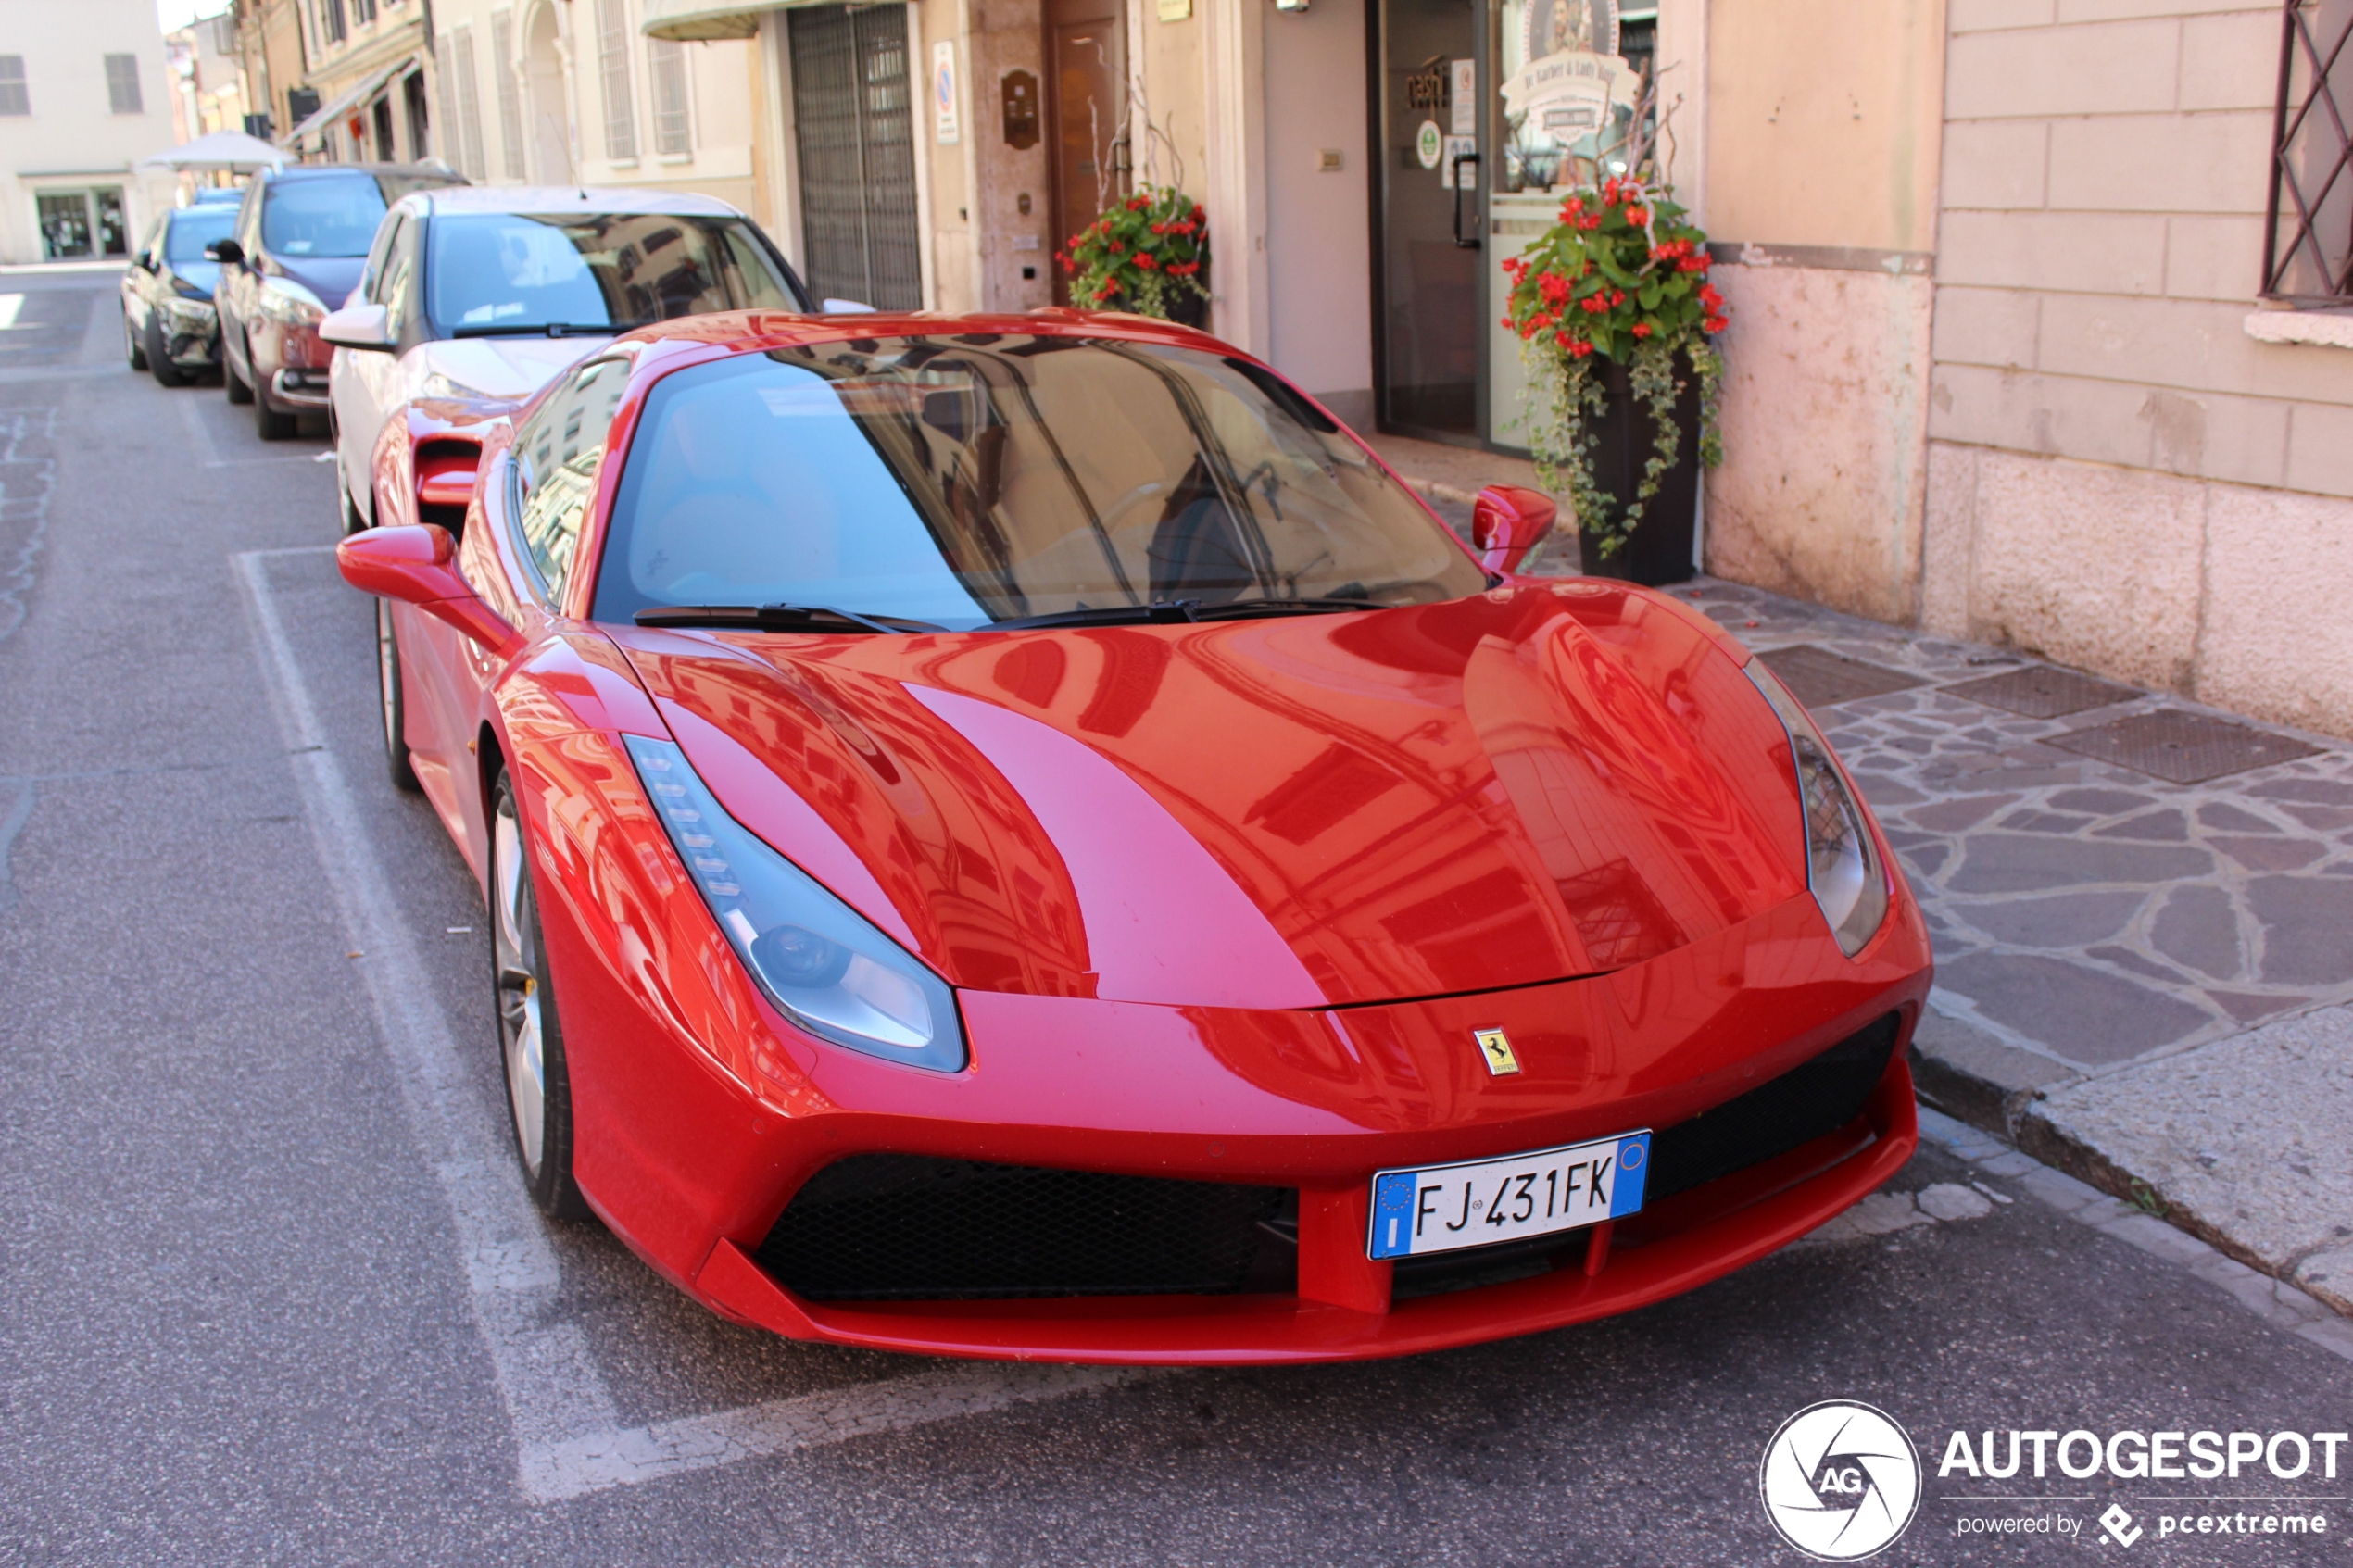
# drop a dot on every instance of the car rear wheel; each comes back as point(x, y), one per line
point(393, 702)
point(130, 349)
point(539, 1085)
point(235, 385)
point(159, 358)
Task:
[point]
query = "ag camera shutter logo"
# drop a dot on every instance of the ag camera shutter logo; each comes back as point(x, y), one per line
point(1840, 1480)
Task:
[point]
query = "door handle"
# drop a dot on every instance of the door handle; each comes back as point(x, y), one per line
point(1460, 159)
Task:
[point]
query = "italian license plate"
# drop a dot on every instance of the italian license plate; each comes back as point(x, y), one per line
point(1445, 1208)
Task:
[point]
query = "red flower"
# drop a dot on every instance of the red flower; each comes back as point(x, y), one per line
point(1117, 248)
point(1637, 216)
point(1642, 329)
point(1144, 259)
point(1198, 213)
point(1710, 297)
point(1616, 297)
point(1717, 324)
point(1579, 348)
point(1553, 288)
point(1691, 264)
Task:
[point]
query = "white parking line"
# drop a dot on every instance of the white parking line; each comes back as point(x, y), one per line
point(570, 1441)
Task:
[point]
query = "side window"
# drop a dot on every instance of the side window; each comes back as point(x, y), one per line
point(393, 288)
point(249, 218)
point(151, 248)
point(373, 275)
point(557, 452)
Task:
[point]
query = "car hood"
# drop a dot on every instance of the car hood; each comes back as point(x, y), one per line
point(1538, 783)
point(508, 368)
point(204, 275)
point(331, 278)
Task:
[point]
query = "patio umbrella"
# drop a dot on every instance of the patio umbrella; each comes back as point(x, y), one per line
point(231, 150)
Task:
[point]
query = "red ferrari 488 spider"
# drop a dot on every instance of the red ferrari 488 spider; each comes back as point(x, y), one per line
point(1018, 837)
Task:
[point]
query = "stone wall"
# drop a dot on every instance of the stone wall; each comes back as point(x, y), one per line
point(2123, 476)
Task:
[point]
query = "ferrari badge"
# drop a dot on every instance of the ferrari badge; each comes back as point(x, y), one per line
point(1496, 1047)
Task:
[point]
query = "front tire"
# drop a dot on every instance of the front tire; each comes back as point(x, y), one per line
point(393, 703)
point(270, 423)
point(530, 1038)
point(159, 358)
point(236, 386)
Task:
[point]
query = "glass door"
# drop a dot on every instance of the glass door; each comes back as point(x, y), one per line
point(1569, 77)
point(1428, 340)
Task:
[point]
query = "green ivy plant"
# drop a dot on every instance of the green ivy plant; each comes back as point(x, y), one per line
point(1620, 277)
point(1149, 250)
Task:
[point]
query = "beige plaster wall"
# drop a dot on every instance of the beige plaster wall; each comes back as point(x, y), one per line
point(1823, 120)
point(1004, 36)
point(1825, 434)
point(1821, 134)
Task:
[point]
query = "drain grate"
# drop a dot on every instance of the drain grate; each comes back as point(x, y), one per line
point(1820, 678)
point(2042, 692)
point(2183, 747)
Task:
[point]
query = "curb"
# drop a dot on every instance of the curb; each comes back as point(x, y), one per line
point(1954, 1094)
point(2278, 1302)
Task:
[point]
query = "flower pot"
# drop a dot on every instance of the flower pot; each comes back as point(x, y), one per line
point(1659, 550)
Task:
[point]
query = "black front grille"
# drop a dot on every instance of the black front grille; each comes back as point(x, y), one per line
point(878, 1227)
point(1815, 1097)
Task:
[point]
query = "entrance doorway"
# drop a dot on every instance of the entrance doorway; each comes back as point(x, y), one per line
point(544, 94)
point(853, 120)
point(1086, 116)
point(1427, 348)
point(83, 223)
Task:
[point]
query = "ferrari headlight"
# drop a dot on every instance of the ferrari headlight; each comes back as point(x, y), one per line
point(440, 385)
point(1842, 866)
point(824, 965)
point(283, 300)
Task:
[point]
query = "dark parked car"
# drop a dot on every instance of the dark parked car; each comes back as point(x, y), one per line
point(169, 326)
point(301, 239)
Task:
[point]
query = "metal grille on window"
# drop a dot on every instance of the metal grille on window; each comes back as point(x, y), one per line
point(672, 132)
point(502, 66)
point(13, 100)
point(613, 58)
point(853, 113)
point(467, 120)
point(364, 12)
point(123, 84)
point(2307, 243)
point(331, 20)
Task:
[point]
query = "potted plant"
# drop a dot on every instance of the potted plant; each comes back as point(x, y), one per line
point(1616, 318)
point(1144, 254)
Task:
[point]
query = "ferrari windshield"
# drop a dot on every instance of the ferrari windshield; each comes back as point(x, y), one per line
point(514, 271)
point(982, 478)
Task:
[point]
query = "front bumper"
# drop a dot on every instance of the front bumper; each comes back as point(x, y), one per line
point(1683, 1243)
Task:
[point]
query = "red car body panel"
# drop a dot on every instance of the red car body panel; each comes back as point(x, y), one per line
point(1221, 901)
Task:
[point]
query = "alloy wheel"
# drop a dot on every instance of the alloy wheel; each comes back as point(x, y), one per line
point(516, 940)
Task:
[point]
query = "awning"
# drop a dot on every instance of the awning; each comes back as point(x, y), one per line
point(329, 113)
point(231, 150)
point(700, 21)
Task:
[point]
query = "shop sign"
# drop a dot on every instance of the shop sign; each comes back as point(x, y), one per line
point(1573, 76)
point(1429, 144)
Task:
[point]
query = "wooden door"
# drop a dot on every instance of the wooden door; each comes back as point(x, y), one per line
point(1085, 116)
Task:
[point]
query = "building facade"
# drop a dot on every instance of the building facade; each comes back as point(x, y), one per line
point(83, 95)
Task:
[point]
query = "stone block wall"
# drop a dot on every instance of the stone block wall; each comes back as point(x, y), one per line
point(2120, 475)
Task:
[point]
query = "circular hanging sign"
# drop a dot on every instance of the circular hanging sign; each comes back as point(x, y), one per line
point(1429, 145)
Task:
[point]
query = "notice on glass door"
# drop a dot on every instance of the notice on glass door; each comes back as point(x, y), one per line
point(1465, 97)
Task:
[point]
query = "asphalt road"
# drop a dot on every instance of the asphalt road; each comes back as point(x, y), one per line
point(266, 1298)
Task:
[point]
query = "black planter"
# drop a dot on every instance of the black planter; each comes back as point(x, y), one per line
point(1659, 550)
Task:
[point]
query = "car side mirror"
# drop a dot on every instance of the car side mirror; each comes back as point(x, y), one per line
point(357, 326)
point(1507, 521)
point(227, 252)
point(417, 564)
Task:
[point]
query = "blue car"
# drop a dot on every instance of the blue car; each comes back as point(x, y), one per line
point(169, 326)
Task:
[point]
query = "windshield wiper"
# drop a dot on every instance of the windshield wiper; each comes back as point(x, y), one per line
point(1242, 608)
point(779, 617)
point(1160, 612)
point(544, 328)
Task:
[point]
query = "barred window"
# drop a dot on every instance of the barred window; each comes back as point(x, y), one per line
point(122, 84)
point(502, 66)
point(13, 100)
point(364, 12)
point(2307, 243)
point(469, 117)
point(330, 24)
point(446, 90)
point(673, 131)
point(613, 52)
